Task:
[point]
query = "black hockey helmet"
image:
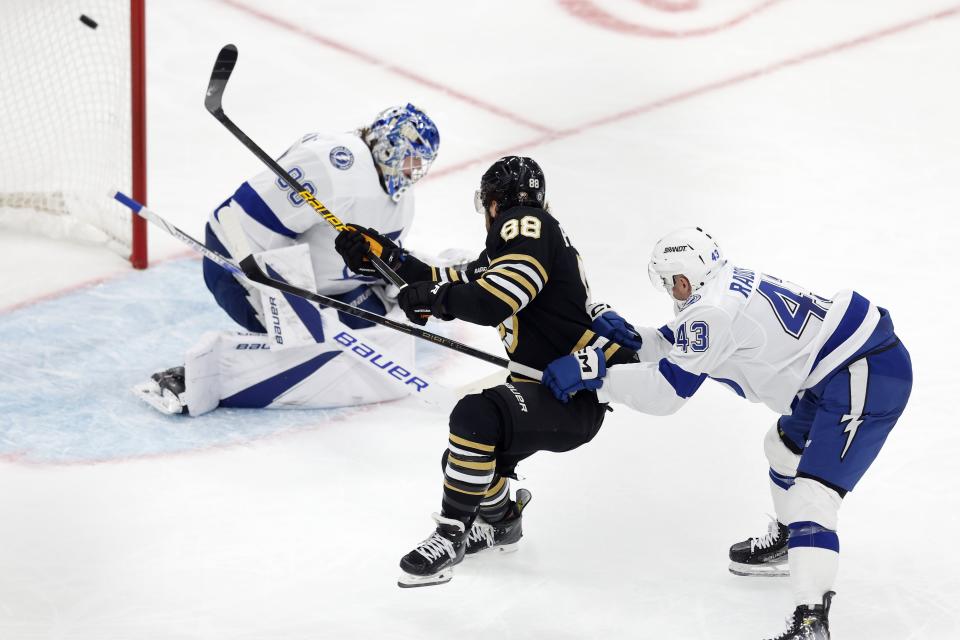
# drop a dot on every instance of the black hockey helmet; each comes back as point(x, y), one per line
point(511, 181)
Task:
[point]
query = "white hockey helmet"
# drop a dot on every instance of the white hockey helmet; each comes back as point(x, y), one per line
point(690, 252)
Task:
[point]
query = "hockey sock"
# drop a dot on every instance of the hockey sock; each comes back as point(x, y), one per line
point(779, 485)
point(475, 429)
point(814, 554)
point(466, 477)
point(783, 461)
point(496, 501)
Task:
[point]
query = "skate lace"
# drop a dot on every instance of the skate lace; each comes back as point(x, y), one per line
point(481, 532)
point(770, 537)
point(435, 546)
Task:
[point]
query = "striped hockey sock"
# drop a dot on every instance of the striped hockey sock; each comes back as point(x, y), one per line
point(496, 500)
point(466, 477)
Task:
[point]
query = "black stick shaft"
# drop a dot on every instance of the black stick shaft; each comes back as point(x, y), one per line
point(250, 269)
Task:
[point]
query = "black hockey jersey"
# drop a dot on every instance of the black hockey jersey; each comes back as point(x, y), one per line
point(529, 282)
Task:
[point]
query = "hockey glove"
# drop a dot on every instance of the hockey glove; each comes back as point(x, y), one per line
point(609, 324)
point(355, 244)
point(581, 370)
point(420, 300)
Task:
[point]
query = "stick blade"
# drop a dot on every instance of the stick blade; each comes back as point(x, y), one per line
point(222, 68)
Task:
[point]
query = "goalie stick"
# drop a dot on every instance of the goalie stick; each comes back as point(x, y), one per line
point(252, 271)
point(222, 68)
point(343, 338)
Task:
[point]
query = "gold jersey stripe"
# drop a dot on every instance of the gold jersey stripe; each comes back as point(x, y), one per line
point(463, 442)
point(434, 275)
point(469, 493)
point(454, 275)
point(609, 351)
point(479, 466)
point(492, 491)
point(516, 277)
point(582, 342)
point(513, 331)
point(521, 256)
point(510, 302)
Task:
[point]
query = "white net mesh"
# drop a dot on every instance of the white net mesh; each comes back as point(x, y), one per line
point(65, 123)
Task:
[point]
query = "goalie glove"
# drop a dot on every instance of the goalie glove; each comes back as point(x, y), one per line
point(420, 300)
point(355, 244)
point(581, 370)
point(609, 324)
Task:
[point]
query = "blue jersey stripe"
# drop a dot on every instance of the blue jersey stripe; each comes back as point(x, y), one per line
point(852, 318)
point(254, 206)
point(683, 382)
point(666, 333)
point(733, 385)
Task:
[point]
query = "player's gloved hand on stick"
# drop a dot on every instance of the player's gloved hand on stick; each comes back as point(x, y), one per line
point(356, 243)
point(581, 370)
point(420, 300)
point(611, 325)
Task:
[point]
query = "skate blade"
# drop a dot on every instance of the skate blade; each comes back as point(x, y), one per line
point(150, 393)
point(408, 580)
point(773, 570)
point(499, 548)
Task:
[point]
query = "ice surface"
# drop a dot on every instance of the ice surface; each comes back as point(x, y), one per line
point(818, 141)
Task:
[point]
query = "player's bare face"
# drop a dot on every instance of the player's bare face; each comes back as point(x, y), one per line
point(681, 288)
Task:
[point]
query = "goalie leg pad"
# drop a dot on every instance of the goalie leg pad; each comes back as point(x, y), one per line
point(290, 320)
point(238, 299)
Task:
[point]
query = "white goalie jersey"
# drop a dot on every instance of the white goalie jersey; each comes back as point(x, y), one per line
point(339, 170)
point(764, 338)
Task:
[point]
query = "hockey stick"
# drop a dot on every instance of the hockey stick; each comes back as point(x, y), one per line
point(428, 391)
point(252, 271)
point(222, 68)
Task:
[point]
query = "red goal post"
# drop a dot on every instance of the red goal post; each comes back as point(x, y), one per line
point(73, 120)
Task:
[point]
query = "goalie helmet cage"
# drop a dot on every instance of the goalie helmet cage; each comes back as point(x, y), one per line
point(73, 120)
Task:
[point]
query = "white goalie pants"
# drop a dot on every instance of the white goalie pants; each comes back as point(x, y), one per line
point(304, 361)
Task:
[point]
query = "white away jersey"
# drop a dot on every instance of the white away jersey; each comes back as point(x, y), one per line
point(764, 338)
point(338, 169)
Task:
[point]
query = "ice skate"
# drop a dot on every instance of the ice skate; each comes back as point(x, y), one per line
point(432, 561)
point(503, 535)
point(164, 391)
point(809, 623)
point(763, 556)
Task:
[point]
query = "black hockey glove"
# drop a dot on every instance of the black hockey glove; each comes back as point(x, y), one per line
point(420, 300)
point(355, 243)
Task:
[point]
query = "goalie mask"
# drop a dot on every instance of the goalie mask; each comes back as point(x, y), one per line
point(404, 143)
point(689, 252)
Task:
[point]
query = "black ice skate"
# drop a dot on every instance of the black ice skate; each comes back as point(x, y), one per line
point(809, 623)
point(433, 559)
point(164, 391)
point(763, 556)
point(502, 535)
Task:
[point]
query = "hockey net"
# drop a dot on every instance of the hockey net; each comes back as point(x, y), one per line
point(72, 120)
